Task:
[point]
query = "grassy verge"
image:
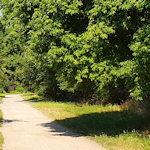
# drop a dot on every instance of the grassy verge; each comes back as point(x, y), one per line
point(1, 97)
point(1, 121)
point(112, 127)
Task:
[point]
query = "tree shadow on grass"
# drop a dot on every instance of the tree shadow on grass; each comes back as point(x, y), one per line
point(1, 97)
point(1, 121)
point(109, 123)
point(34, 99)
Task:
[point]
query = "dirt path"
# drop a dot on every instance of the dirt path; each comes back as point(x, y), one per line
point(25, 128)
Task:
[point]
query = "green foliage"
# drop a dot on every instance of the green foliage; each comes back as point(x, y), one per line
point(4, 83)
point(141, 52)
point(92, 48)
point(20, 89)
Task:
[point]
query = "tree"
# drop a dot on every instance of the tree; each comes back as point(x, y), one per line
point(85, 47)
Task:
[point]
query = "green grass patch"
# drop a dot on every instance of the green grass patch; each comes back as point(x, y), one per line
point(15, 92)
point(112, 127)
point(1, 97)
point(1, 121)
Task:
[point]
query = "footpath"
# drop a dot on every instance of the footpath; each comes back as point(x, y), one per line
point(25, 128)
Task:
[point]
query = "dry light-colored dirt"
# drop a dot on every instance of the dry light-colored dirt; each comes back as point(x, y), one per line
point(26, 128)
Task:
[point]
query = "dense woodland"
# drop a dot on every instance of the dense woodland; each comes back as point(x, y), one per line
point(77, 49)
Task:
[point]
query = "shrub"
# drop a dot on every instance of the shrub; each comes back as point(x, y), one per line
point(20, 89)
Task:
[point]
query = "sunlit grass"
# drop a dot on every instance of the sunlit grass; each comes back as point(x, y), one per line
point(1, 118)
point(125, 141)
point(110, 126)
point(63, 110)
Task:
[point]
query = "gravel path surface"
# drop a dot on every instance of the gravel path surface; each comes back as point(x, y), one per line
point(26, 128)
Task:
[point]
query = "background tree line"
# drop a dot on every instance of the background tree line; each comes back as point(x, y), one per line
point(92, 49)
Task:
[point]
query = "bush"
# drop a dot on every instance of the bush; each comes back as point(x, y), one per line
point(20, 89)
point(1, 90)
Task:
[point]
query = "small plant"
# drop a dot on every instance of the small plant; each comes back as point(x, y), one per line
point(20, 89)
point(1, 90)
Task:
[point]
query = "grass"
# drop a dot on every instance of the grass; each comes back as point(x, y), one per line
point(1, 121)
point(1, 97)
point(110, 126)
point(15, 92)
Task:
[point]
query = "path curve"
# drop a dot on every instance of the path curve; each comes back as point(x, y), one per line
point(26, 128)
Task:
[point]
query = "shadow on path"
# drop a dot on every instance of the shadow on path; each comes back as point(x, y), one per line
point(10, 121)
point(58, 130)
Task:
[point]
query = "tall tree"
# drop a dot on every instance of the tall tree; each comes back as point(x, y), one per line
point(87, 47)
